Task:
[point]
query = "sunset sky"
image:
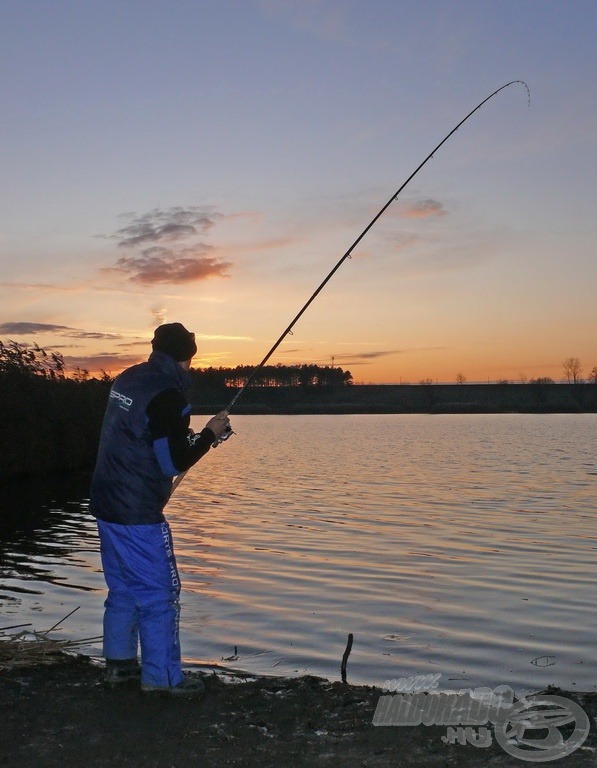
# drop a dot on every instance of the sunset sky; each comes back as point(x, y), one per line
point(209, 161)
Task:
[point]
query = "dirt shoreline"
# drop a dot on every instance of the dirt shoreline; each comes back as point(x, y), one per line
point(64, 715)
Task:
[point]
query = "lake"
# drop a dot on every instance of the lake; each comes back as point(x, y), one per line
point(464, 545)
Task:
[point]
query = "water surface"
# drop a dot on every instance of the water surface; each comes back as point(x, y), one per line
point(464, 545)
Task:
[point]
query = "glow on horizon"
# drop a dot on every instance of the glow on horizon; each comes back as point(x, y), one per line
point(214, 171)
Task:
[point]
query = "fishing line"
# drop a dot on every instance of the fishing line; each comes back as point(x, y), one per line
point(347, 255)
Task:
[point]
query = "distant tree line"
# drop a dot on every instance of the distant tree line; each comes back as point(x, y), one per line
point(573, 372)
point(272, 376)
point(572, 369)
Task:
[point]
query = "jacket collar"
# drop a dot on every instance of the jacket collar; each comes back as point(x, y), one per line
point(171, 368)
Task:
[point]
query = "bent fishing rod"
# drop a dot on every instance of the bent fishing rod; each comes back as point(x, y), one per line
point(347, 255)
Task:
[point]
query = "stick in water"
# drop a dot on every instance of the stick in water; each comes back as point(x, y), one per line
point(47, 632)
point(345, 657)
point(15, 626)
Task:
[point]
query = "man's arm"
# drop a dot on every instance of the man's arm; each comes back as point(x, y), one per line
point(175, 447)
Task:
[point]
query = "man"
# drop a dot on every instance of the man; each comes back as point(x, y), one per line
point(145, 442)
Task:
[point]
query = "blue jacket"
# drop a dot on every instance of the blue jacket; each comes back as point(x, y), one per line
point(145, 441)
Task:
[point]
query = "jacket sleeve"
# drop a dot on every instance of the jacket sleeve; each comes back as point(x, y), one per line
point(175, 446)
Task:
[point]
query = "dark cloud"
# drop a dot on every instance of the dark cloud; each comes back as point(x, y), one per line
point(32, 329)
point(93, 335)
point(163, 265)
point(348, 358)
point(363, 358)
point(354, 358)
point(56, 347)
point(164, 225)
point(375, 355)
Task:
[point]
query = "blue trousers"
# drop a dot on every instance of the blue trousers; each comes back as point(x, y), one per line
point(143, 599)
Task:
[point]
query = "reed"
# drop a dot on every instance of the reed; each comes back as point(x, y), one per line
point(29, 648)
point(50, 423)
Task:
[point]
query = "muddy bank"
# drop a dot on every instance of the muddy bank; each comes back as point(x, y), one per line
point(64, 715)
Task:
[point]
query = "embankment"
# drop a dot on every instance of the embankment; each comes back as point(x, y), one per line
point(405, 398)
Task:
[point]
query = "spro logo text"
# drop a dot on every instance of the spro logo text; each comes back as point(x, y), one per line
point(123, 401)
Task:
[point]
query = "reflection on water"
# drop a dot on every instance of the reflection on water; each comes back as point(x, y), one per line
point(464, 545)
point(48, 552)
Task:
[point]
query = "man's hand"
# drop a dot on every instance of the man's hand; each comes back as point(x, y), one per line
point(219, 424)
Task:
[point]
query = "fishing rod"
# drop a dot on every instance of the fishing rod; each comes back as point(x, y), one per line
point(347, 255)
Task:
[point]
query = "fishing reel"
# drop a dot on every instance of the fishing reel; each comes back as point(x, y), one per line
point(226, 434)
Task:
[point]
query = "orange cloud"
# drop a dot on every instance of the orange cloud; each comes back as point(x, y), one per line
point(95, 364)
point(159, 262)
point(421, 209)
point(162, 265)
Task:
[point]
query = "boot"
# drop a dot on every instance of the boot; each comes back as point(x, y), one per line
point(190, 686)
point(122, 671)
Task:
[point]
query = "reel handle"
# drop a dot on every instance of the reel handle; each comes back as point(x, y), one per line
point(226, 434)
